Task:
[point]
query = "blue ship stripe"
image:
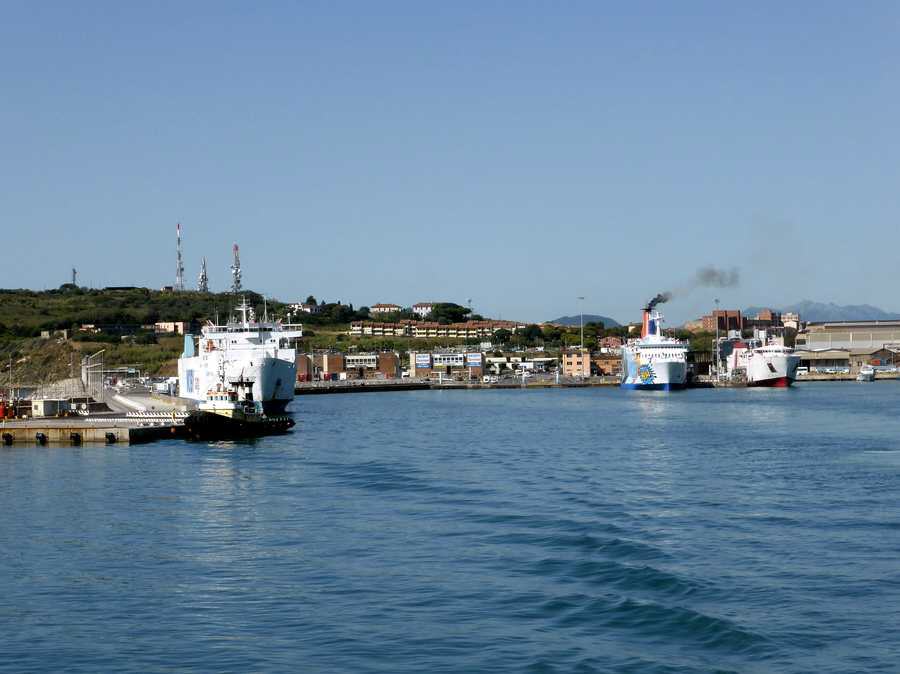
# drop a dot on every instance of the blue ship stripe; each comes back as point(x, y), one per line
point(653, 387)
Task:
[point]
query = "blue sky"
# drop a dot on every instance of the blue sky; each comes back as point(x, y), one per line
point(519, 154)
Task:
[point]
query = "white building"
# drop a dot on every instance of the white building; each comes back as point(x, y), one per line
point(358, 361)
point(385, 308)
point(423, 308)
point(306, 308)
point(790, 320)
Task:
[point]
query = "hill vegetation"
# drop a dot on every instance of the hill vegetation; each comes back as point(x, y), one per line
point(588, 318)
point(124, 310)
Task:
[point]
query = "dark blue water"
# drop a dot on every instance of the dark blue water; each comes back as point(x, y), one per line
point(541, 531)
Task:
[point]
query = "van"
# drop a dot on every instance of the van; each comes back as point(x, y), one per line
point(802, 371)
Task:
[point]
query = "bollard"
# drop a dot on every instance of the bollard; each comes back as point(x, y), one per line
point(75, 438)
point(111, 438)
point(41, 438)
point(7, 439)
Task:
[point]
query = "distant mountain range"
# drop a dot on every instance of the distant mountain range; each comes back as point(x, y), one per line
point(588, 318)
point(821, 311)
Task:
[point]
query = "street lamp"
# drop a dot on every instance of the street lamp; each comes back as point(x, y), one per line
point(716, 352)
point(90, 366)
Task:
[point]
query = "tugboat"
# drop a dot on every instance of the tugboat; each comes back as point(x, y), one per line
point(231, 412)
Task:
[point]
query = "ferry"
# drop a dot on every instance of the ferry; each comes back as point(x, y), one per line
point(771, 364)
point(654, 362)
point(261, 353)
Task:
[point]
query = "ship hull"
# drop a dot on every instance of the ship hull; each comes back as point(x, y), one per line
point(642, 374)
point(777, 382)
point(772, 370)
point(212, 426)
point(273, 378)
point(653, 387)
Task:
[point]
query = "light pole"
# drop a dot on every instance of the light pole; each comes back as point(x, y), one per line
point(716, 347)
point(90, 367)
point(581, 311)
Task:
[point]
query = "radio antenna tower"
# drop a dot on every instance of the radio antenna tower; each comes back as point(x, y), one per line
point(236, 271)
point(179, 264)
point(74, 276)
point(203, 280)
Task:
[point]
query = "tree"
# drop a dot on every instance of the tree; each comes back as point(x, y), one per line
point(532, 334)
point(552, 334)
point(311, 300)
point(593, 329)
point(502, 336)
point(448, 312)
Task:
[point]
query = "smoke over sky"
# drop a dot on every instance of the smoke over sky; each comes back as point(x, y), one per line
point(704, 277)
point(710, 277)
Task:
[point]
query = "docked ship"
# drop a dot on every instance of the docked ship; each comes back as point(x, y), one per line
point(654, 362)
point(770, 364)
point(261, 353)
point(231, 412)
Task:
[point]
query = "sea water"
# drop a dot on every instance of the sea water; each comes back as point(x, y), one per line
point(587, 530)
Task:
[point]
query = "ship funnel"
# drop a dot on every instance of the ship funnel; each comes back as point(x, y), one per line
point(651, 323)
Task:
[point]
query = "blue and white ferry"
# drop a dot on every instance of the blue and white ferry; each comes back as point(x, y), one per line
point(654, 362)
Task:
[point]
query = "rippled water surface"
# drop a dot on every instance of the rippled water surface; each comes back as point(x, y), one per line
point(543, 531)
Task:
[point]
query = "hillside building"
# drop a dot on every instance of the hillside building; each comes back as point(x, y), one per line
point(380, 308)
point(172, 327)
point(422, 309)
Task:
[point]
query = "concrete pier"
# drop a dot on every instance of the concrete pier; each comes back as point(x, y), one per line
point(75, 431)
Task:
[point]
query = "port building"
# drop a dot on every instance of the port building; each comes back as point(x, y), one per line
point(852, 335)
point(847, 360)
point(576, 363)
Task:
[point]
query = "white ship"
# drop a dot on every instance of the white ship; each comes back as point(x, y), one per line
point(866, 373)
point(654, 362)
point(771, 364)
point(242, 350)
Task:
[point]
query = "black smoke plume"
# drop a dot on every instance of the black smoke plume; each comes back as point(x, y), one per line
point(661, 298)
point(705, 277)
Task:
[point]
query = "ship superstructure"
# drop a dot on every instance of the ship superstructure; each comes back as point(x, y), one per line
point(654, 362)
point(260, 353)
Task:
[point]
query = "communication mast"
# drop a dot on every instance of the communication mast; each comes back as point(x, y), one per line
point(74, 276)
point(179, 264)
point(236, 271)
point(203, 280)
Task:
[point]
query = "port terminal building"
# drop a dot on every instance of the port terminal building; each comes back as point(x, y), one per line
point(852, 335)
point(333, 365)
point(847, 360)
